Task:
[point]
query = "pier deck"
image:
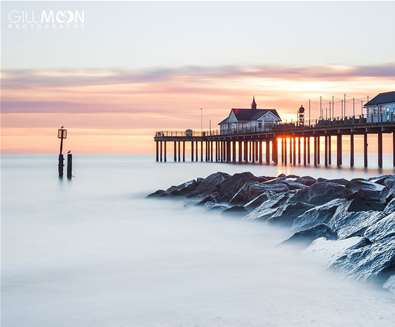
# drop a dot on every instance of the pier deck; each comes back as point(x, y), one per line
point(270, 146)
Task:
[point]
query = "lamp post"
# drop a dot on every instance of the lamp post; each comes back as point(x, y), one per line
point(62, 134)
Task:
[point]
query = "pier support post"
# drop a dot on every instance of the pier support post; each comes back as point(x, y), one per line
point(175, 151)
point(380, 149)
point(290, 151)
point(308, 150)
point(318, 150)
point(315, 151)
point(326, 150)
point(211, 151)
point(304, 151)
point(393, 149)
point(299, 150)
point(294, 151)
point(234, 151)
point(192, 151)
point(285, 159)
point(183, 151)
point(240, 150)
point(161, 152)
point(329, 150)
point(365, 150)
point(260, 151)
point(351, 150)
point(201, 151)
point(267, 152)
point(165, 151)
point(275, 151)
point(245, 151)
point(179, 151)
point(339, 150)
point(157, 151)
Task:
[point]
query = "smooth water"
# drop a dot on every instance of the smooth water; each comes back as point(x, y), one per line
point(96, 252)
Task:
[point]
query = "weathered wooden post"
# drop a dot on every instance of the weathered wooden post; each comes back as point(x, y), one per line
point(69, 165)
point(165, 151)
point(299, 150)
point(318, 150)
point(308, 150)
point(365, 150)
point(380, 149)
point(260, 152)
point(157, 151)
point(339, 150)
point(62, 134)
point(329, 150)
point(326, 150)
point(304, 150)
point(183, 151)
point(267, 152)
point(351, 150)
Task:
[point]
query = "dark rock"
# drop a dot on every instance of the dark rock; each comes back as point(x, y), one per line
point(306, 180)
point(287, 213)
point(209, 184)
point(381, 229)
point(182, 189)
point(320, 193)
point(364, 190)
point(347, 224)
point(257, 201)
point(306, 236)
point(340, 181)
point(321, 214)
point(370, 262)
point(390, 207)
point(269, 207)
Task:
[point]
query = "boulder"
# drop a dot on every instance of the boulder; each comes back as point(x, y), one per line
point(390, 207)
point(317, 215)
point(257, 201)
point(381, 229)
point(364, 190)
point(208, 184)
point(270, 206)
point(306, 236)
point(306, 180)
point(374, 261)
point(320, 193)
point(287, 213)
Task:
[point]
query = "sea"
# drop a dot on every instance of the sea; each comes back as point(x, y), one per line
point(94, 251)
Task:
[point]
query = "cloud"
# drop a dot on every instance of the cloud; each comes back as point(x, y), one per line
point(19, 79)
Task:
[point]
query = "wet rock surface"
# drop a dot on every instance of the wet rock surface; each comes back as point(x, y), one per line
point(311, 208)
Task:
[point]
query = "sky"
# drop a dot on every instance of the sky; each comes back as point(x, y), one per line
point(133, 68)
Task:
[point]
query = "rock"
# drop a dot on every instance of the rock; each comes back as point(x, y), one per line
point(287, 213)
point(389, 208)
point(375, 261)
point(320, 193)
point(257, 201)
point(269, 207)
point(229, 187)
point(209, 184)
point(306, 180)
point(340, 181)
point(317, 215)
point(182, 189)
point(251, 190)
point(347, 224)
point(293, 185)
point(306, 236)
point(360, 204)
point(364, 190)
point(381, 229)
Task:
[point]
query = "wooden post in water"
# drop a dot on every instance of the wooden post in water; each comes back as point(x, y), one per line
point(315, 151)
point(351, 150)
point(267, 152)
point(157, 151)
point(175, 151)
point(293, 150)
point(304, 151)
point(329, 150)
point(308, 150)
point(165, 151)
point(290, 151)
point(326, 150)
point(260, 152)
point(183, 151)
point(69, 165)
point(192, 151)
point(339, 150)
point(380, 149)
point(285, 150)
point(240, 151)
point(275, 151)
point(160, 144)
point(318, 150)
point(365, 150)
point(201, 151)
point(299, 151)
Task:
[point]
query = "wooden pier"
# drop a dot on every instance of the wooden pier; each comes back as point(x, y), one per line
point(272, 146)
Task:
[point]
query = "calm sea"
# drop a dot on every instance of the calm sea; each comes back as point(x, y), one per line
point(96, 252)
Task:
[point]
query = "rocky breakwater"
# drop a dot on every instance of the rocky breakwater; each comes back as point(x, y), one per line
point(312, 209)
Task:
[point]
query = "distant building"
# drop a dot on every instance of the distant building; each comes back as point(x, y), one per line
point(250, 119)
point(381, 108)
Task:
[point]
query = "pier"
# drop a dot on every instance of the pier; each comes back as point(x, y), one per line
point(282, 144)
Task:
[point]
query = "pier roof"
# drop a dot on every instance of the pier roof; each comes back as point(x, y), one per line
point(381, 98)
point(243, 114)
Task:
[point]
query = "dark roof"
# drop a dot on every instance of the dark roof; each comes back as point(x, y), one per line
point(381, 98)
point(252, 114)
